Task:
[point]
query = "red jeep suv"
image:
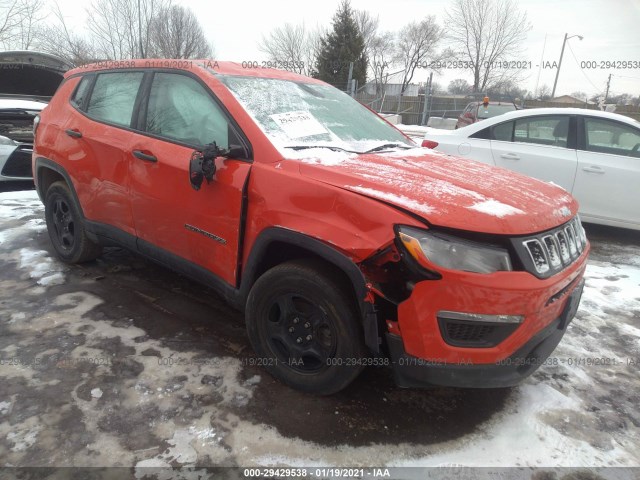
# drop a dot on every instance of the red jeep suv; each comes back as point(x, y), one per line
point(344, 243)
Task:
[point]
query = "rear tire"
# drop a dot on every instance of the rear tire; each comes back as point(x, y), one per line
point(303, 327)
point(66, 226)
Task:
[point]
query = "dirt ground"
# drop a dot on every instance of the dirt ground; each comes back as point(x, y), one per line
point(120, 362)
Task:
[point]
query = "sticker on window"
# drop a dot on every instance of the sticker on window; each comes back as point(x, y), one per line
point(298, 124)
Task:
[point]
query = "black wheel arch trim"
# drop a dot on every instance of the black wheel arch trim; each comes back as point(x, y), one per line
point(41, 164)
point(272, 235)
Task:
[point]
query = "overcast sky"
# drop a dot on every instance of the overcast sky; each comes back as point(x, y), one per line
point(611, 31)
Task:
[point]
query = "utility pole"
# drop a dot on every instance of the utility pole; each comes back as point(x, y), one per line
point(427, 103)
point(553, 93)
point(606, 93)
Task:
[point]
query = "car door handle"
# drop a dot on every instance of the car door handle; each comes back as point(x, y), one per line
point(74, 132)
point(510, 156)
point(593, 169)
point(144, 156)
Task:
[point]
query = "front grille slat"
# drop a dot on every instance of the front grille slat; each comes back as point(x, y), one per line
point(564, 247)
point(551, 252)
point(539, 255)
point(571, 237)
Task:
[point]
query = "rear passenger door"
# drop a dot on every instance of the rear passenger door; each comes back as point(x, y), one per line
point(97, 147)
point(608, 178)
point(181, 115)
point(539, 146)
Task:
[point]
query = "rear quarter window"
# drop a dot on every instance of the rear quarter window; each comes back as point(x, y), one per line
point(81, 93)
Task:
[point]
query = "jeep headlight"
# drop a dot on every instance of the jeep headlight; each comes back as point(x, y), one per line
point(448, 251)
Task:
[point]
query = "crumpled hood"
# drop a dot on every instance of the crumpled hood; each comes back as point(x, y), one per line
point(446, 190)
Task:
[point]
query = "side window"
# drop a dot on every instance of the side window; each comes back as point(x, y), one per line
point(547, 130)
point(484, 134)
point(82, 90)
point(181, 109)
point(502, 132)
point(113, 97)
point(605, 136)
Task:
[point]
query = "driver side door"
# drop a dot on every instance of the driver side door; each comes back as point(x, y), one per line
point(180, 115)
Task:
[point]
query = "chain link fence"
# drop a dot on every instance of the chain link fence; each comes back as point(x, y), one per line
point(416, 110)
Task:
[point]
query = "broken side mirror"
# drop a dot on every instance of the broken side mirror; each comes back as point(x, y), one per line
point(236, 151)
point(202, 165)
point(196, 176)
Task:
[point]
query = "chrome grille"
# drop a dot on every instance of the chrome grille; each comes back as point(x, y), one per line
point(551, 244)
point(553, 251)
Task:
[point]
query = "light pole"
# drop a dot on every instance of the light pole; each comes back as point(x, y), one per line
point(553, 93)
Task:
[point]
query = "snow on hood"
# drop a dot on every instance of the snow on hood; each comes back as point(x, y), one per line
point(447, 191)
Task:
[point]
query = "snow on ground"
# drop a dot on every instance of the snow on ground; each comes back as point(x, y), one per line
point(580, 409)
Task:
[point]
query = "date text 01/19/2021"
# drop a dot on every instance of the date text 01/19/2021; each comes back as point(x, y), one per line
point(332, 472)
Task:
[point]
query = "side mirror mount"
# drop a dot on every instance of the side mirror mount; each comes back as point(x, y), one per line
point(202, 164)
point(235, 151)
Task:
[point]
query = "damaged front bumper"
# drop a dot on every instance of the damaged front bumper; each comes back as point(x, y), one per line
point(412, 372)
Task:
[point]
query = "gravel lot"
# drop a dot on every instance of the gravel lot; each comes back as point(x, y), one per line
point(122, 363)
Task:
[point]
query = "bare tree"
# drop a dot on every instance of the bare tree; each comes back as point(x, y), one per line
point(544, 92)
point(437, 89)
point(459, 86)
point(120, 29)
point(368, 26)
point(9, 18)
point(19, 21)
point(484, 33)
point(176, 33)
point(31, 16)
point(114, 29)
point(292, 47)
point(506, 90)
point(56, 38)
point(381, 58)
point(416, 45)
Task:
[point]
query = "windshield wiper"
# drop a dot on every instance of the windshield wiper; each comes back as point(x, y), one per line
point(336, 149)
point(388, 145)
point(330, 147)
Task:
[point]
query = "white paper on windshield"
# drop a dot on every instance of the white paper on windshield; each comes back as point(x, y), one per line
point(298, 124)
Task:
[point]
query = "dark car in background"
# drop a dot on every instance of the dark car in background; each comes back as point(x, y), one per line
point(476, 111)
point(27, 83)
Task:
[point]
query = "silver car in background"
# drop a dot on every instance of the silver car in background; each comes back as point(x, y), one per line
point(27, 82)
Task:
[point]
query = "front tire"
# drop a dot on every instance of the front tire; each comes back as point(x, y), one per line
point(66, 227)
point(303, 326)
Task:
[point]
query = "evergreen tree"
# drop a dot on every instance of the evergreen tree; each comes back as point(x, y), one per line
point(339, 47)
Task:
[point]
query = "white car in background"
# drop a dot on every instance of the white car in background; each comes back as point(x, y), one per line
point(27, 82)
point(16, 137)
point(593, 155)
